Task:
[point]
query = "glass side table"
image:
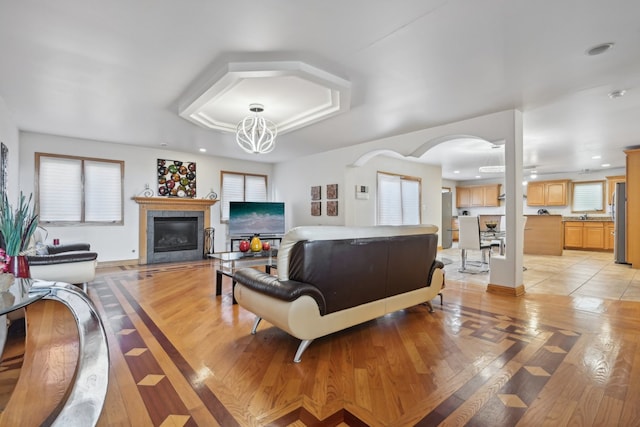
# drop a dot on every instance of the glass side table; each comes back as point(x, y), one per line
point(229, 262)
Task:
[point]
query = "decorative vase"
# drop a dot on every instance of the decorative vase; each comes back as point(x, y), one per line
point(244, 246)
point(19, 267)
point(256, 244)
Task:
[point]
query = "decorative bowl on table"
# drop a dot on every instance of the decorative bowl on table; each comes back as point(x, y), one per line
point(491, 226)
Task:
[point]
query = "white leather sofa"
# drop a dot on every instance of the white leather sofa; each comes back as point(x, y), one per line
point(331, 278)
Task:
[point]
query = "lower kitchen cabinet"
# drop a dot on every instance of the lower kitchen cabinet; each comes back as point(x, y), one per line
point(573, 232)
point(455, 234)
point(594, 235)
point(609, 236)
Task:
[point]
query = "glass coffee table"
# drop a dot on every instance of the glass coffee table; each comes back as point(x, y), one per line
point(229, 262)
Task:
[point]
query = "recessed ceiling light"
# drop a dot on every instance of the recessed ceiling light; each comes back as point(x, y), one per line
point(456, 171)
point(534, 176)
point(533, 172)
point(599, 49)
point(478, 176)
point(605, 165)
point(203, 150)
point(617, 93)
point(596, 157)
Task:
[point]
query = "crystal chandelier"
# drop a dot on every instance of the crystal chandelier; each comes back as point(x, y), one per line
point(255, 134)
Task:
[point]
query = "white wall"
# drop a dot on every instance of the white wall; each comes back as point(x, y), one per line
point(431, 177)
point(293, 181)
point(9, 136)
point(295, 178)
point(120, 242)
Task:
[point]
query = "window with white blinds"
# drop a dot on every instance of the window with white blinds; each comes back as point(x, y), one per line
point(588, 196)
point(398, 199)
point(240, 187)
point(79, 190)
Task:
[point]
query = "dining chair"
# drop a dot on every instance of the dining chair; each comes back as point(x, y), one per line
point(469, 239)
point(498, 240)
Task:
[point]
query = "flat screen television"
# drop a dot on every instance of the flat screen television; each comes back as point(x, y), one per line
point(249, 218)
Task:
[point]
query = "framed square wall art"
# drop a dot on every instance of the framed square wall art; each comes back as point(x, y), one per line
point(332, 191)
point(176, 178)
point(332, 208)
point(316, 208)
point(316, 192)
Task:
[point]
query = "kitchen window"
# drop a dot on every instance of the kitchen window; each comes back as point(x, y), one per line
point(79, 190)
point(588, 196)
point(398, 201)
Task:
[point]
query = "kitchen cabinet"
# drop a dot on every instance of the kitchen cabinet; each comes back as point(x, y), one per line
point(594, 235)
point(463, 197)
point(478, 196)
point(611, 186)
point(633, 207)
point(573, 234)
point(455, 234)
point(609, 239)
point(543, 235)
point(547, 193)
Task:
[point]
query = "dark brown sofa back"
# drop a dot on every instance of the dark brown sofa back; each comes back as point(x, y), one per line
point(351, 272)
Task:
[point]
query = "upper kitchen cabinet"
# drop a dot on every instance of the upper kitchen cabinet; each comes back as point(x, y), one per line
point(611, 186)
point(547, 193)
point(463, 197)
point(477, 196)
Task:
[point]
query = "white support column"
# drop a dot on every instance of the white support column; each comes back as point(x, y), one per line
point(505, 275)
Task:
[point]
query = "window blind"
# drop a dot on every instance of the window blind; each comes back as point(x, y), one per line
point(103, 192)
point(60, 189)
point(410, 201)
point(398, 200)
point(588, 196)
point(73, 189)
point(238, 187)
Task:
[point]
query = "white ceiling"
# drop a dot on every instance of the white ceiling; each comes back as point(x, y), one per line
point(117, 70)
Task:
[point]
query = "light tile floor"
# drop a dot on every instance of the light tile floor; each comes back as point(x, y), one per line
point(584, 273)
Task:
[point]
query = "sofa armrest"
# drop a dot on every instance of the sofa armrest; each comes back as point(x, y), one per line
point(61, 258)
point(285, 290)
point(436, 264)
point(56, 249)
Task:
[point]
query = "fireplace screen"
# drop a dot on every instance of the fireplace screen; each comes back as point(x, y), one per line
point(175, 234)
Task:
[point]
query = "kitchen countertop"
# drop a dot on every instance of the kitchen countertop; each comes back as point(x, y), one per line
point(589, 218)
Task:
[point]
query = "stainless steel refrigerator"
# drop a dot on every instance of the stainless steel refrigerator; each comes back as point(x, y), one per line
point(618, 211)
point(445, 229)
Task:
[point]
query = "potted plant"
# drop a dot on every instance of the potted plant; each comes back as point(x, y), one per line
point(17, 226)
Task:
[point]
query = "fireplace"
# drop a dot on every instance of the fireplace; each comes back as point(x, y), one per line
point(152, 208)
point(174, 236)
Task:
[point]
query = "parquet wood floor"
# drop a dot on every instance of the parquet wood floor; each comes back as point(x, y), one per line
point(182, 356)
